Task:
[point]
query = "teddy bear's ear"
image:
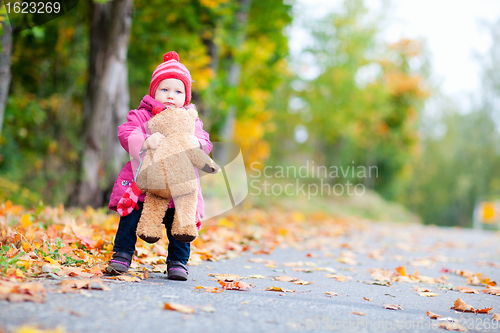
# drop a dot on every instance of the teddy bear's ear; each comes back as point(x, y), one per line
point(193, 113)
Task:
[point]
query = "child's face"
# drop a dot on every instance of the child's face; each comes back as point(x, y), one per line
point(171, 93)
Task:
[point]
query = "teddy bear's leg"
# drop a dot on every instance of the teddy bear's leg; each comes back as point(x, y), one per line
point(150, 225)
point(184, 224)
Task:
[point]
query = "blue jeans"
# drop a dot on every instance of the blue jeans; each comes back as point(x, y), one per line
point(126, 238)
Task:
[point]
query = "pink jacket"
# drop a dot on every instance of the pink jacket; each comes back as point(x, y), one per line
point(132, 134)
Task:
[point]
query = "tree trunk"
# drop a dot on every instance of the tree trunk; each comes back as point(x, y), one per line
point(107, 102)
point(227, 132)
point(5, 58)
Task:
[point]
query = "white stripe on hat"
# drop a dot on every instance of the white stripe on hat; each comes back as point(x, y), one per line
point(168, 70)
point(171, 64)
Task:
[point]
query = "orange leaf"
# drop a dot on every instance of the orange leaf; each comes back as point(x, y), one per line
point(492, 290)
point(359, 313)
point(238, 285)
point(496, 317)
point(20, 292)
point(178, 307)
point(466, 290)
point(401, 270)
point(393, 307)
point(460, 305)
point(210, 289)
point(367, 299)
point(433, 315)
point(279, 289)
point(70, 285)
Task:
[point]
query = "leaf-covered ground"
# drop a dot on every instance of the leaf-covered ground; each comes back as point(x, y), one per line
point(446, 276)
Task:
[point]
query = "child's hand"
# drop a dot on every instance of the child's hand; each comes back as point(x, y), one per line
point(153, 141)
point(193, 142)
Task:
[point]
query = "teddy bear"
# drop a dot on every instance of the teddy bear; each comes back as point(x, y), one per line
point(167, 172)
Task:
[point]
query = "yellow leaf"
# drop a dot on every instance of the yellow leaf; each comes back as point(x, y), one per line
point(26, 221)
point(224, 222)
point(33, 329)
point(23, 263)
point(26, 247)
point(52, 261)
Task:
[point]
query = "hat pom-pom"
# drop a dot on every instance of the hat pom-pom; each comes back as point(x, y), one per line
point(172, 55)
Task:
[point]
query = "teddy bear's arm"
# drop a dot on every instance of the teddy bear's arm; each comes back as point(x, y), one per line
point(202, 161)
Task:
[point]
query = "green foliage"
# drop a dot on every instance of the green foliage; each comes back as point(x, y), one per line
point(6, 262)
point(459, 164)
point(363, 107)
point(455, 170)
point(213, 42)
point(40, 140)
point(53, 253)
point(41, 137)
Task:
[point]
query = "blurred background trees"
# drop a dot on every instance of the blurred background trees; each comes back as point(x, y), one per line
point(364, 107)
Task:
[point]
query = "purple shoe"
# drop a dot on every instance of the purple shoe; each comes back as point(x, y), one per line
point(176, 270)
point(119, 264)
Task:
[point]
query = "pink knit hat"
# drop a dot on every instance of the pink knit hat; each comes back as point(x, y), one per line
point(171, 68)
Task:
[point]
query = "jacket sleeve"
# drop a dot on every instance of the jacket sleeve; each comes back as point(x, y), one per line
point(133, 133)
point(202, 136)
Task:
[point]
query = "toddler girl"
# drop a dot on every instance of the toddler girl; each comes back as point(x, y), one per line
point(170, 87)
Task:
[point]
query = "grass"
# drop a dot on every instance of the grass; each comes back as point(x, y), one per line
point(368, 205)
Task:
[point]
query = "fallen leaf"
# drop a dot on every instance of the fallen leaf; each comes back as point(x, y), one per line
point(305, 270)
point(433, 315)
point(208, 308)
point(393, 307)
point(466, 290)
point(401, 270)
point(71, 285)
point(279, 289)
point(34, 329)
point(338, 277)
point(426, 294)
point(492, 290)
point(209, 289)
point(237, 285)
point(302, 282)
point(20, 292)
point(226, 277)
point(378, 283)
point(347, 260)
point(496, 317)
point(452, 327)
point(326, 269)
point(178, 307)
point(460, 305)
point(257, 276)
point(359, 313)
point(367, 299)
point(284, 278)
point(331, 293)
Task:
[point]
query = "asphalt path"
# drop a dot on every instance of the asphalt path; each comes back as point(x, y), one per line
point(433, 251)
